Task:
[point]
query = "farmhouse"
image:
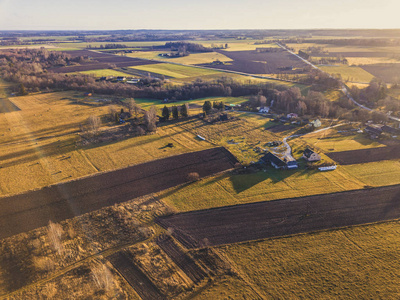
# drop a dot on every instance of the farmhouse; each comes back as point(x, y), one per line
point(316, 123)
point(264, 110)
point(389, 129)
point(292, 116)
point(374, 131)
point(274, 160)
point(311, 156)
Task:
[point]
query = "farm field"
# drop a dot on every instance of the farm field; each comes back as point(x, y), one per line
point(366, 155)
point(358, 61)
point(195, 105)
point(104, 73)
point(232, 189)
point(352, 74)
point(176, 71)
point(7, 106)
point(262, 220)
point(100, 61)
point(192, 59)
point(348, 263)
point(376, 173)
point(39, 142)
point(332, 141)
point(63, 201)
point(387, 72)
point(253, 62)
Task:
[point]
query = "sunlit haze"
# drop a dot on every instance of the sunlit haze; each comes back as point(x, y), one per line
point(205, 14)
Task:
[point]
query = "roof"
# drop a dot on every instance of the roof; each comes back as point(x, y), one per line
point(308, 152)
point(373, 129)
point(273, 159)
point(389, 129)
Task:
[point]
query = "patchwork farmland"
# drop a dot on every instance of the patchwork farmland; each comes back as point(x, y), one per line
point(99, 61)
point(63, 201)
point(234, 224)
point(254, 62)
point(366, 155)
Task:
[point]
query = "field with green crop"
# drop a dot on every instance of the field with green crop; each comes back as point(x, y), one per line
point(176, 71)
point(352, 74)
point(192, 59)
point(194, 105)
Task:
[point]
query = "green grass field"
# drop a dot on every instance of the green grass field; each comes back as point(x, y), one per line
point(176, 71)
point(352, 74)
point(192, 59)
point(352, 263)
point(147, 103)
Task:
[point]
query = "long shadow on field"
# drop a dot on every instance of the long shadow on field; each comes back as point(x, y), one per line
point(15, 273)
point(7, 106)
point(34, 153)
point(244, 182)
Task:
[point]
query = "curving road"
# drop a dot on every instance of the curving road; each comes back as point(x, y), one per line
point(343, 87)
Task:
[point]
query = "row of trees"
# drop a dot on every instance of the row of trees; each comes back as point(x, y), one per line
point(176, 111)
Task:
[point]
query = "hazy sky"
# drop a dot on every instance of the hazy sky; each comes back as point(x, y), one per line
point(197, 14)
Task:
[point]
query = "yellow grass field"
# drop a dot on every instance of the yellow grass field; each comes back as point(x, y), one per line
point(331, 141)
point(38, 144)
point(104, 73)
point(357, 61)
point(352, 74)
point(176, 71)
point(352, 263)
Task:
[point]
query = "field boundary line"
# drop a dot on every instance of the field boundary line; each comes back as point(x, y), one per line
point(104, 253)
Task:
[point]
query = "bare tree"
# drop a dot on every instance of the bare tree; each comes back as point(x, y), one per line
point(112, 111)
point(133, 107)
point(150, 119)
point(54, 233)
point(93, 123)
point(102, 277)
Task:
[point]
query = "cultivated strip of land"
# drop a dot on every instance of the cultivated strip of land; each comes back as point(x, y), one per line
point(182, 260)
point(360, 156)
point(262, 220)
point(136, 278)
point(24, 212)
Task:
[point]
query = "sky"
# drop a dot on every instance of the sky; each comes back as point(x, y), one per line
point(197, 14)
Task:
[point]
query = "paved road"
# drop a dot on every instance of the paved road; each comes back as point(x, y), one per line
point(343, 87)
point(25, 212)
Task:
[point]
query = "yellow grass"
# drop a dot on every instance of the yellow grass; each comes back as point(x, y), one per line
point(104, 72)
point(352, 263)
point(262, 186)
point(38, 143)
point(331, 141)
point(376, 173)
point(176, 71)
point(370, 60)
point(352, 74)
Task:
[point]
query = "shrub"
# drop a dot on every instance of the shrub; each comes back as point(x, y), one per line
point(194, 176)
